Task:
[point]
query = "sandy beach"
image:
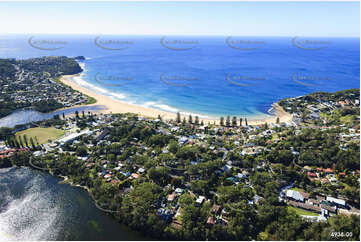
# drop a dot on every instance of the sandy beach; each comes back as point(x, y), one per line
point(115, 106)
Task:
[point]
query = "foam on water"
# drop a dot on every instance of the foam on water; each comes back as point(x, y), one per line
point(30, 216)
point(33, 206)
point(80, 81)
point(167, 108)
point(160, 106)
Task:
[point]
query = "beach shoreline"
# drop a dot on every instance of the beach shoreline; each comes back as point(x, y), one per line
point(116, 106)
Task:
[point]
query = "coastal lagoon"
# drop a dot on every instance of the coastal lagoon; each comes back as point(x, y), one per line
point(25, 116)
point(34, 206)
point(207, 76)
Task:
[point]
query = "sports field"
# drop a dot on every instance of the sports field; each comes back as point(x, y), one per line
point(300, 211)
point(42, 134)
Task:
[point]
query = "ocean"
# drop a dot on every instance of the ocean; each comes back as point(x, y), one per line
point(204, 76)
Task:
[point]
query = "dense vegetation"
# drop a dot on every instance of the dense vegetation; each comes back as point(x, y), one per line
point(54, 65)
point(18, 79)
point(267, 220)
point(200, 168)
point(270, 220)
point(7, 70)
point(45, 106)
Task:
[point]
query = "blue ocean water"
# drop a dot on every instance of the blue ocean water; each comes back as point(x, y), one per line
point(208, 76)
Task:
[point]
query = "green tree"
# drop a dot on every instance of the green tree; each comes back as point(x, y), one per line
point(32, 143)
point(173, 146)
point(6, 133)
point(197, 120)
point(37, 142)
point(21, 143)
point(178, 117)
point(25, 138)
point(159, 175)
point(139, 205)
point(190, 119)
point(221, 121)
point(234, 121)
point(228, 121)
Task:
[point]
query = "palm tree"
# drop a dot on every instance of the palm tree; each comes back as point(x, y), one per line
point(240, 121)
point(245, 119)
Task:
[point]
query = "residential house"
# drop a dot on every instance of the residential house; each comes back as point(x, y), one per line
point(295, 195)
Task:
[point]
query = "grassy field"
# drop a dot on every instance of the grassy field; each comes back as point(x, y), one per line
point(42, 134)
point(91, 100)
point(300, 211)
point(296, 189)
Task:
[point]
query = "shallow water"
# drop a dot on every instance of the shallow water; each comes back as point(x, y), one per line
point(26, 116)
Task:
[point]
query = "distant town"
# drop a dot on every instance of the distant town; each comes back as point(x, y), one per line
point(34, 83)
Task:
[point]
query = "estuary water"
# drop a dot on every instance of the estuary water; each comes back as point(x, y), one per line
point(34, 206)
point(25, 116)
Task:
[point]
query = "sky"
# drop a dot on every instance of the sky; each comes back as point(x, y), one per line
point(328, 19)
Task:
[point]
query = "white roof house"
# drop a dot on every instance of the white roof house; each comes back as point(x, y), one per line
point(179, 190)
point(336, 200)
point(141, 170)
point(73, 136)
point(295, 195)
point(200, 199)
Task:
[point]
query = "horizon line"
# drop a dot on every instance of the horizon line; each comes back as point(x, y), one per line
point(182, 35)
